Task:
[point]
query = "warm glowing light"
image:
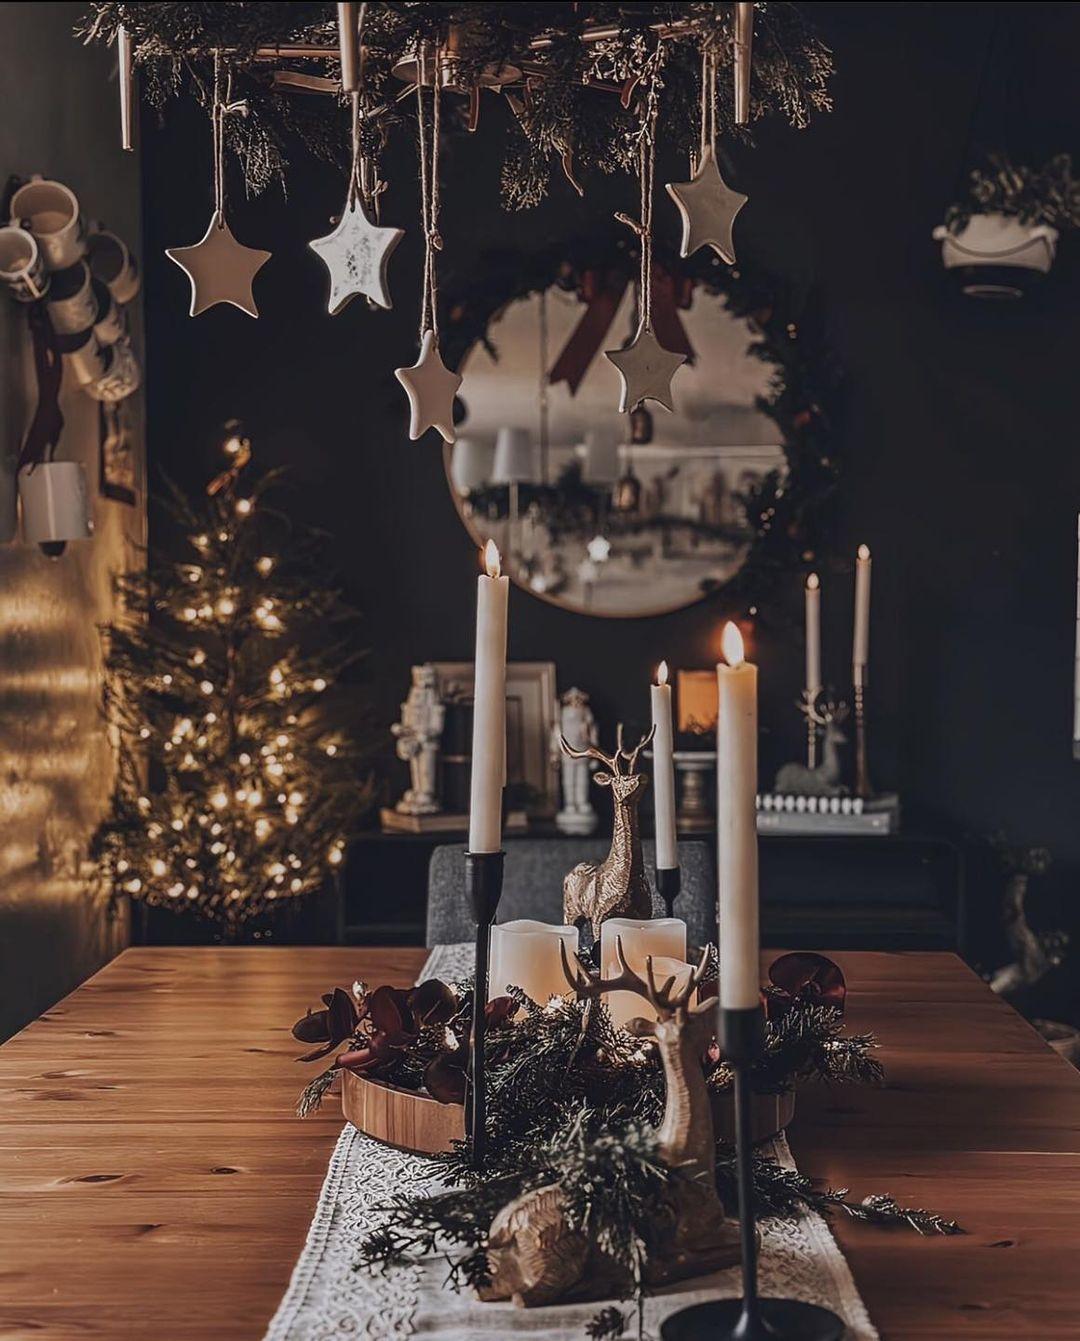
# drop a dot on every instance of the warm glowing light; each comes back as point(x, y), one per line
point(243, 507)
point(226, 606)
point(813, 582)
point(864, 551)
point(189, 613)
point(277, 675)
point(198, 657)
point(492, 561)
point(732, 645)
point(662, 673)
point(264, 566)
point(318, 685)
point(219, 800)
point(334, 856)
point(158, 867)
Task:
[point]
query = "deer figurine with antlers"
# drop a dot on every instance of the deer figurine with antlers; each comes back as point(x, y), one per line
point(536, 1257)
point(824, 779)
point(618, 885)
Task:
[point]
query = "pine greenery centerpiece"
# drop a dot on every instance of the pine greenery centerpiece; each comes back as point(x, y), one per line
point(238, 778)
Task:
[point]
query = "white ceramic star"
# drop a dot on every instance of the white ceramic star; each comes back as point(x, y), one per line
point(708, 207)
point(431, 388)
point(646, 369)
point(220, 269)
point(356, 254)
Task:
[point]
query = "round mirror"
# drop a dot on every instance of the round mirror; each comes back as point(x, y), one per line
point(621, 514)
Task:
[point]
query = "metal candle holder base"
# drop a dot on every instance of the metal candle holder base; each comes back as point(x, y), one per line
point(862, 767)
point(750, 1318)
point(668, 885)
point(483, 882)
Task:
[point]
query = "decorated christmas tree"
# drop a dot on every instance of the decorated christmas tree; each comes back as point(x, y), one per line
point(239, 758)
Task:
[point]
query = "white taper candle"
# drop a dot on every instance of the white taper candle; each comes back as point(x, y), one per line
point(489, 708)
point(667, 851)
point(861, 642)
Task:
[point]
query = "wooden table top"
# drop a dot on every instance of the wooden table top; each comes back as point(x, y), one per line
point(155, 1186)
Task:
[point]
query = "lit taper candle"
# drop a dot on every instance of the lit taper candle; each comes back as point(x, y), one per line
point(489, 707)
point(813, 636)
point(736, 813)
point(861, 642)
point(667, 852)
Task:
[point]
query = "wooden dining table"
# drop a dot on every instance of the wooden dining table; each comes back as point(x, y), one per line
point(155, 1184)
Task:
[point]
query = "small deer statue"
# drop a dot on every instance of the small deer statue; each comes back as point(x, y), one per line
point(824, 780)
point(617, 886)
point(536, 1257)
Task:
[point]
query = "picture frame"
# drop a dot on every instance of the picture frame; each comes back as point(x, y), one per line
point(531, 705)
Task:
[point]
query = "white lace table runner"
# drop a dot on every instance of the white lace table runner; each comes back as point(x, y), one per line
point(328, 1299)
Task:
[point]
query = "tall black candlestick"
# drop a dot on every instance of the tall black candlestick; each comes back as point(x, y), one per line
point(483, 880)
point(750, 1318)
point(668, 885)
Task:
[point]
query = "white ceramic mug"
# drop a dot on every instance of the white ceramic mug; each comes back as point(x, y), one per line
point(121, 377)
point(84, 354)
point(50, 210)
point(72, 306)
point(112, 263)
point(21, 266)
point(55, 502)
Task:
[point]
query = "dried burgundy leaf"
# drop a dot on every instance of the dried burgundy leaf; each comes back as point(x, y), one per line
point(433, 1002)
point(499, 1010)
point(388, 1010)
point(444, 1077)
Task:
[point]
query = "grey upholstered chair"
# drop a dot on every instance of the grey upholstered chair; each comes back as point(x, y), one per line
point(532, 886)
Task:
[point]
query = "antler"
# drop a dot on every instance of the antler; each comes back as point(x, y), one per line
point(587, 984)
point(631, 757)
point(590, 752)
point(831, 711)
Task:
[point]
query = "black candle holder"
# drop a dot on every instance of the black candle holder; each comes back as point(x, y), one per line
point(668, 885)
point(750, 1318)
point(483, 881)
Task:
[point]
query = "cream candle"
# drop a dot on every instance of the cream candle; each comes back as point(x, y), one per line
point(663, 937)
point(737, 848)
point(489, 708)
point(813, 636)
point(667, 852)
point(861, 640)
point(526, 954)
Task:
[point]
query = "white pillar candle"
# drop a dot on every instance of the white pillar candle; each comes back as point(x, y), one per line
point(667, 852)
point(813, 635)
point(526, 954)
point(664, 937)
point(737, 849)
point(861, 641)
point(489, 708)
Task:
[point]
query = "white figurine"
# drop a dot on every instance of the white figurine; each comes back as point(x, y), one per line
point(578, 725)
point(418, 735)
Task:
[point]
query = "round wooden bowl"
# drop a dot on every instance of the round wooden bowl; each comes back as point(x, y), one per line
point(423, 1126)
point(402, 1118)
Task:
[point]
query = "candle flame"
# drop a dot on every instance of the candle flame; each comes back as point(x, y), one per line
point(492, 561)
point(864, 552)
point(662, 673)
point(732, 645)
point(813, 582)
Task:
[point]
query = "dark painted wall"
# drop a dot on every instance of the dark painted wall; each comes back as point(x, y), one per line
point(958, 432)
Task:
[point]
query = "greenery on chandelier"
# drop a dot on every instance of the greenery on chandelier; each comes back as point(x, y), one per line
point(1046, 195)
point(238, 778)
point(570, 101)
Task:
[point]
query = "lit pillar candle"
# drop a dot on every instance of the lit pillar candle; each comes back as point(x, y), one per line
point(489, 708)
point(667, 853)
point(737, 849)
point(813, 635)
point(861, 641)
point(526, 954)
point(662, 937)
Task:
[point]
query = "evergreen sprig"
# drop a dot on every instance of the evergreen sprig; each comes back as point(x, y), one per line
point(1049, 194)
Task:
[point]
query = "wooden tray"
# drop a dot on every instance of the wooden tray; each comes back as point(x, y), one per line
point(422, 1125)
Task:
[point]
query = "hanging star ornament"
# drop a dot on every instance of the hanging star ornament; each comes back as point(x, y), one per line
point(220, 269)
point(708, 207)
point(431, 388)
point(356, 254)
point(646, 369)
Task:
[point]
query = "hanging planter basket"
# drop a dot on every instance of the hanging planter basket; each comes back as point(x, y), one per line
point(997, 255)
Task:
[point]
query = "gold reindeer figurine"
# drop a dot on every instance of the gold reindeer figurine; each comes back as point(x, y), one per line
point(536, 1257)
point(617, 886)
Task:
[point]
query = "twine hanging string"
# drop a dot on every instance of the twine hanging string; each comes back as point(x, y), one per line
point(708, 102)
point(646, 175)
point(221, 107)
point(429, 189)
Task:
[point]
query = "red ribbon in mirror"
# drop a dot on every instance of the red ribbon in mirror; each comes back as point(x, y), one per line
point(807, 979)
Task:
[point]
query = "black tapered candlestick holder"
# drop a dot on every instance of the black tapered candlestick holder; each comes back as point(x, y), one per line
point(750, 1318)
point(483, 882)
point(668, 885)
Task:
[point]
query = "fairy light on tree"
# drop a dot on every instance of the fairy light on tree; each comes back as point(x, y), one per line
point(239, 778)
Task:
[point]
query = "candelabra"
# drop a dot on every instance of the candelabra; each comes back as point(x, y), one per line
point(668, 885)
point(483, 880)
point(750, 1318)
